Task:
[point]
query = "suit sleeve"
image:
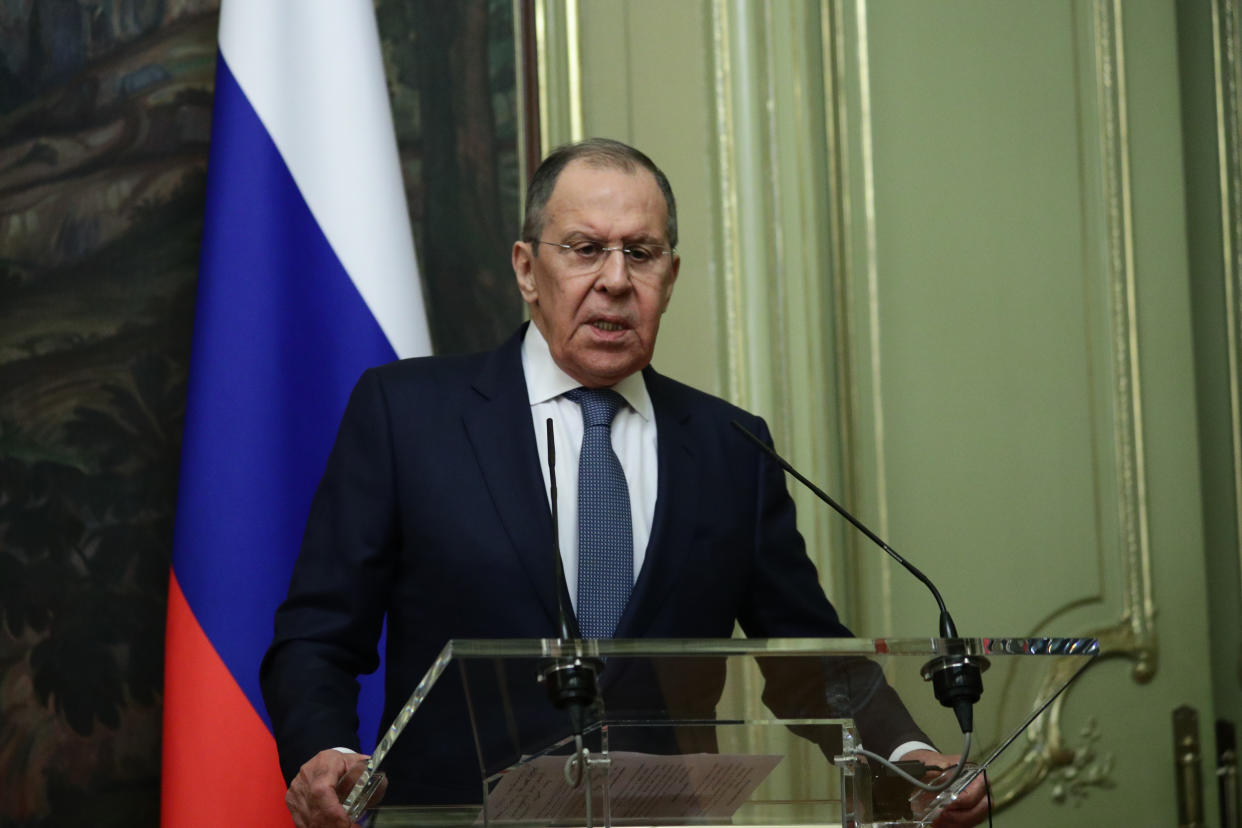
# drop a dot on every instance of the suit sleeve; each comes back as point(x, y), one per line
point(786, 600)
point(327, 629)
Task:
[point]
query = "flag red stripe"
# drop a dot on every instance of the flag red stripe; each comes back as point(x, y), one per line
point(220, 765)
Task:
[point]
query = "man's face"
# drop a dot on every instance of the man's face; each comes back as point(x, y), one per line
point(600, 327)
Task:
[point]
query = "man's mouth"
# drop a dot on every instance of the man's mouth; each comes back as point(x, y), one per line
point(607, 326)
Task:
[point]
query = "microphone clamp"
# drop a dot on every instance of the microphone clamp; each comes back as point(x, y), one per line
point(572, 684)
point(957, 681)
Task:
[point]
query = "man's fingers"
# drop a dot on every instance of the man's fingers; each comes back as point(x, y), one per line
point(954, 817)
point(354, 767)
point(968, 809)
point(350, 779)
point(312, 797)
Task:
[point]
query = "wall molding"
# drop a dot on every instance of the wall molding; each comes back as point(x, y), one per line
point(1121, 455)
point(1227, 65)
point(764, 205)
point(1133, 636)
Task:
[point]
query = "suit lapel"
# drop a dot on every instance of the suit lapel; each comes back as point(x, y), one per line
point(676, 509)
point(500, 431)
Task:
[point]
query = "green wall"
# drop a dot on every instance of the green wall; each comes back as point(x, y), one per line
point(970, 261)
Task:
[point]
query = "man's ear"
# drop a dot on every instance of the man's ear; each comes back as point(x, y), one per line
point(523, 271)
point(668, 283)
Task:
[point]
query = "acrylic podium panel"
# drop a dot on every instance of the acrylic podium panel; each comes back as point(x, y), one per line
point(694, 732)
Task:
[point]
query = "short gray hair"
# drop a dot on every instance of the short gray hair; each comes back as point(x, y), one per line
point(597, 152)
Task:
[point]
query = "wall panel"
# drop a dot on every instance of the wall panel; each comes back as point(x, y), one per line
point(942, 247)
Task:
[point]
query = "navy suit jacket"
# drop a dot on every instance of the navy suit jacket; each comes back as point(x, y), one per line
point(432, 510)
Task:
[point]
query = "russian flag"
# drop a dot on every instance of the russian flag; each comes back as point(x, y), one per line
point(307, 277)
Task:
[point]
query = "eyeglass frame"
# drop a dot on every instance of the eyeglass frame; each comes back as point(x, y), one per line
point(605, 250)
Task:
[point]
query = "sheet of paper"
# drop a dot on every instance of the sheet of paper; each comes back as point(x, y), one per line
point(692, 786)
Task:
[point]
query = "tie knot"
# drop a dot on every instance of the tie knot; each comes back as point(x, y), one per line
point(599, 405)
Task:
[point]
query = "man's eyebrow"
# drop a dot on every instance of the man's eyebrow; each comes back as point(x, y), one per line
point(639, 238)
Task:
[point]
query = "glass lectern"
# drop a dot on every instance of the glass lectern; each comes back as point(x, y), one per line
point(696, 732)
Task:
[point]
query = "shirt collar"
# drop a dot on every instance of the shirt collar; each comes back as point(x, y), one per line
point(546, 381)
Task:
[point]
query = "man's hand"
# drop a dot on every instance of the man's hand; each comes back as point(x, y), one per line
point(314, 797)
point(971, 806)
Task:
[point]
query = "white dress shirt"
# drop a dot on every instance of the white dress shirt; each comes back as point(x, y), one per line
point(633, 439)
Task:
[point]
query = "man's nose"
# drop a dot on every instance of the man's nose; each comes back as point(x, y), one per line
point(614, 276)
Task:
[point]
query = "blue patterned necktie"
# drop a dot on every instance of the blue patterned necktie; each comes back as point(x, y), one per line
point(605, 532)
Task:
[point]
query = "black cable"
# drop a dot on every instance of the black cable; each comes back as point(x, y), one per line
point(918, 783)
point(987, 788)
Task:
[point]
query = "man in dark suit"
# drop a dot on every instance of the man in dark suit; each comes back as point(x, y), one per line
point(433, 510)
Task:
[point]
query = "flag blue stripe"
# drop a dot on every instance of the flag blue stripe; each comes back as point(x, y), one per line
point(280, 337)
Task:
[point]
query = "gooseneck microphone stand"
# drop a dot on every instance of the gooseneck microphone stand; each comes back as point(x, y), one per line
point(571, 681)
point(956, 677)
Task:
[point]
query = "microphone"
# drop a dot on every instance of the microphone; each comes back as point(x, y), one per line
point(571, 682)
point(567, 621)
point(957, 677)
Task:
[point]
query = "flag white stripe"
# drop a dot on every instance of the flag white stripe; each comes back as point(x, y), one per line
point(316, 81)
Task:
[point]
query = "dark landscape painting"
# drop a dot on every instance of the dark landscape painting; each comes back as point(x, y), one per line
point(105, 120)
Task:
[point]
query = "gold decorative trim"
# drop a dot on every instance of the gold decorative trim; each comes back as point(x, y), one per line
point(542, 49)
point(777, 323)
point(558, 43)
point(873, 301)
point(573, 53)
point(1228, 82)
point(835, 40)
point(806, 257)
point(1134, 635)
point(836, 145)
point(735, 380)
point(519, 61)
point(519, 58)
point(1086, 770)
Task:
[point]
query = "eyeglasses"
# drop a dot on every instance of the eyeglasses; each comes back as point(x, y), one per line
point(585, 257)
